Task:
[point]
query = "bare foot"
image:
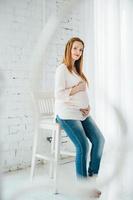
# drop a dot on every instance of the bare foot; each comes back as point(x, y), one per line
point(95, 193)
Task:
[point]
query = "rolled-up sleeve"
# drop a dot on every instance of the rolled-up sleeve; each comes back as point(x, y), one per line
point(61, 92)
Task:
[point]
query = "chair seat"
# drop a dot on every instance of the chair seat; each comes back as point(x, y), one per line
point(48, 122)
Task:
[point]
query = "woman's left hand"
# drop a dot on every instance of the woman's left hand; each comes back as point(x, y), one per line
point(85, 111)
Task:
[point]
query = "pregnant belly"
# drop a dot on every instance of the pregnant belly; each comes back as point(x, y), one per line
point(80, 99)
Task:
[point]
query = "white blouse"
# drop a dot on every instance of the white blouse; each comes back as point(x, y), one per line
point(66, 106)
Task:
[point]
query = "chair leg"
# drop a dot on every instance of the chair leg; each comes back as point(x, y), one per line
point(33, 161)
point(52, 153)
point(57, 156)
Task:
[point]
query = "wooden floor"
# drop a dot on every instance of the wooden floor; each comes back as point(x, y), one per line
point(17, 186)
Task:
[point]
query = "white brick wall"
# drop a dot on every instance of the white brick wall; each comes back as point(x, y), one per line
point(21, 23)
point(71, 25)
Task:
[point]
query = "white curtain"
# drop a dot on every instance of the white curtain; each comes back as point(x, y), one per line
point(109, 65)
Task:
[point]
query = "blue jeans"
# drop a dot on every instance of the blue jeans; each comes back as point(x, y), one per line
point(79, 132)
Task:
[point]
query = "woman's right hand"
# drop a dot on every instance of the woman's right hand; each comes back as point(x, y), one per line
point(81, 86)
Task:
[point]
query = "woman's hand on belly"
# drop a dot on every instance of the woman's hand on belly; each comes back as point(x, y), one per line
point(85, 111)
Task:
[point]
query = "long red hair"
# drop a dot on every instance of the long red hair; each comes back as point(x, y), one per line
point(67, 60)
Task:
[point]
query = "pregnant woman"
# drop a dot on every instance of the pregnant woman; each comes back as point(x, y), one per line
point(72, 110)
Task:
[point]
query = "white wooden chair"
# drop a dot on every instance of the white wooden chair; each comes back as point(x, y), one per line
point(44, 119)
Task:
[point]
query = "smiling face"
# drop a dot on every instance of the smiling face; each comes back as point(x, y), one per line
point(77, 50)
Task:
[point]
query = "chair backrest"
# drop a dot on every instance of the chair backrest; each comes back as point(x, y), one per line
point(44, 102)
